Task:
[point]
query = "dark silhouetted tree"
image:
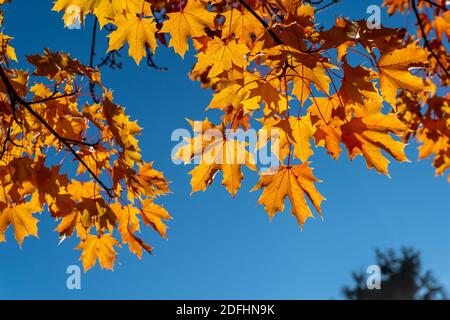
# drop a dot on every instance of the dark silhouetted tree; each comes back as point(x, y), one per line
point(401, 279)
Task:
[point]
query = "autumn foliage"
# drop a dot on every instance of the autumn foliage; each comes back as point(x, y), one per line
point(269, 65)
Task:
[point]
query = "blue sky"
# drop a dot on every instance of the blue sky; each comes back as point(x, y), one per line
point(219, 247)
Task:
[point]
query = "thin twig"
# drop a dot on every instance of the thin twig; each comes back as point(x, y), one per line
point(91, 61)
point(151, 63)
point(261, 20)
point(433, 3)
point(54, 97)
point(425, 39)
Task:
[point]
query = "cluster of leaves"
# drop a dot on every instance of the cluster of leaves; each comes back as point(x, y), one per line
point(271, 58)
point(270, 66)
point(428, 117)
point(45, 122)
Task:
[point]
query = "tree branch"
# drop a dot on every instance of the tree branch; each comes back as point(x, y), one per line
point(54, 97)
point(16, 98)
point(275, 37)
point(425, 39)
point(261, 20)
point(433, 3)
point(91, 60)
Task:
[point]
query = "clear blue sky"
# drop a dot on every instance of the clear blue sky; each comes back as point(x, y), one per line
point(219, 247)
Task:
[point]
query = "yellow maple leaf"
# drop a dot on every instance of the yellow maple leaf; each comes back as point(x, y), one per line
point(22, 220)
point(242, 23)
point(328, 118)
point(137, 31)
point(222, 56)
point(6, 50)
point(223, 154)
point(250, 94)
point(68, 224)
point(395, 73)
point(189, 21)
point(305, 76)
point(80, 190)
point(106, 10)
point(153, 215)
point(295, 182)
point(128, 225)
point(216, 151)
point(101, 247)
point(369, 132)
point(74, 10)
point(152, 182)
point(297, 131)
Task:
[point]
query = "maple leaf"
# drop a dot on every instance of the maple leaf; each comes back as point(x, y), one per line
point(295, 182)
point(287, 135)
point(68, 223)
point(98, 247)
point(327, 118)
point(151, 181)
point(442, 25)
point(189, 21)
point(310, 70)
point(22, 220)
point(73, 9)
point(217, 151)
point(153, 215)
point(249, 93)
point(59, 66)
point(242, 23)
point(394, 5)
point(107, 10)
point(233, 95)
point(434, 133)
point(436, 144)
point(123, 130)
point(6, 50)
point(395, 73)
point(357, 86)
point(298, 132)
point(137, 31)
point(128, 226)
point(224, 154)
point(222, 56)
point(369, 132)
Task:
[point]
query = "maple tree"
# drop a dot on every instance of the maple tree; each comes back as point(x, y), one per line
point(270, 66)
